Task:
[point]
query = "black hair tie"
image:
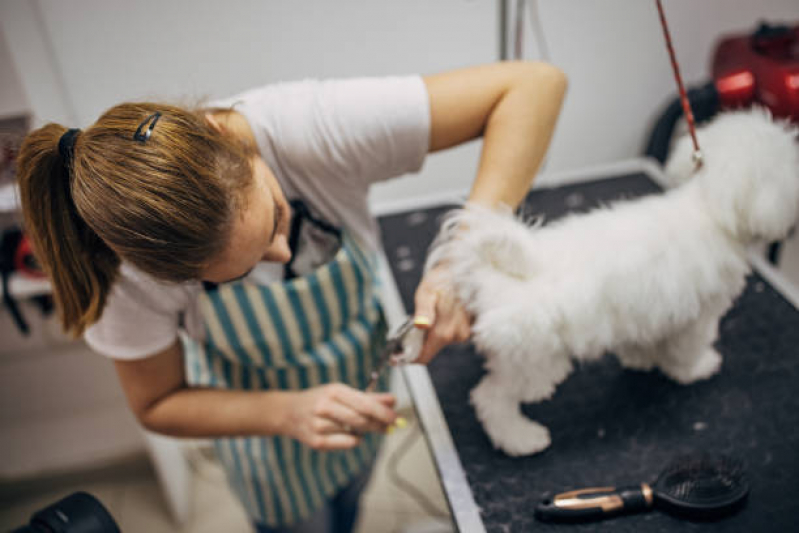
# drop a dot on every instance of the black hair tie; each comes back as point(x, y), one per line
point(143, 137)
point(66, 146)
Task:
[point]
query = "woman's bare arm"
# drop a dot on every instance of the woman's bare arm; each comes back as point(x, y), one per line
point(158, 395)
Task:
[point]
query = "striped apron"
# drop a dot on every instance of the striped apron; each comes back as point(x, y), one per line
point(324, 327)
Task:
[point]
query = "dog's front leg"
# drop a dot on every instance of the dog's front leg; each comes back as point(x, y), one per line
point(499, 410)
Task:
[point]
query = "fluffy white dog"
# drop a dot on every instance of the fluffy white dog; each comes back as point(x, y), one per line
point(647, 279)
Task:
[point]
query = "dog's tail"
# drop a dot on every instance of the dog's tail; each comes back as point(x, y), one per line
point(484, 250)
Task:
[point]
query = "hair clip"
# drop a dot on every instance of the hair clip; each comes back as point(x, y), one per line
point(143, 137)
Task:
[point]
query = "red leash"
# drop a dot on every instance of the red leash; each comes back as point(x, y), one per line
point(686, 106)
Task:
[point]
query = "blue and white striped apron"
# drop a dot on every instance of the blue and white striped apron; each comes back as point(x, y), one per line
point(325, 327)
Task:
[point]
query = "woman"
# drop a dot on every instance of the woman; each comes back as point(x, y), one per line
point(158, 220)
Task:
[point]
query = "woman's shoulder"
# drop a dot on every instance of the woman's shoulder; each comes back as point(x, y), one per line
point(141, 315)
point(135, 286)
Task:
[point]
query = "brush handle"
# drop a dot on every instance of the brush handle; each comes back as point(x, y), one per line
point(595, 503)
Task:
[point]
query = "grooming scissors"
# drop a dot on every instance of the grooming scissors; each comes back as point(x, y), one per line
point(392, 352)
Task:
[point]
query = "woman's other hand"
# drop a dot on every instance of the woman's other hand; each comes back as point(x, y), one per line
point(332, 417)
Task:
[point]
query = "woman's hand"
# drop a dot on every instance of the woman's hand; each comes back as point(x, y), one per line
point(332, 417)
point(439, 311)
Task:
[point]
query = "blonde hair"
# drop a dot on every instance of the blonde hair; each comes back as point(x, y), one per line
point(165, 205)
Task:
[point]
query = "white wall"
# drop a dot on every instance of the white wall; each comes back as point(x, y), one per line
point(620, 75)
point(106, 51)
point(12, 97)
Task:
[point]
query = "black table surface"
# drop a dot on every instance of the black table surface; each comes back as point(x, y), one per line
point(612, 426)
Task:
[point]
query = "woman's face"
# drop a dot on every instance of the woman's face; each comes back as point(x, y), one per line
point(260, 232)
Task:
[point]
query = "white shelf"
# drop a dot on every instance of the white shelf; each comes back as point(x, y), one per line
point(9, 198)
point(22, 287)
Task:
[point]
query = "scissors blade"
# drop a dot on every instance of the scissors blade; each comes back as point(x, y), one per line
point(393, 346)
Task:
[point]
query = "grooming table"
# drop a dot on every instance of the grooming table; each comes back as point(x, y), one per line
point(612, 426)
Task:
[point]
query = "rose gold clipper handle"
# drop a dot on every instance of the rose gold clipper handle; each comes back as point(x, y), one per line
point(595, 503)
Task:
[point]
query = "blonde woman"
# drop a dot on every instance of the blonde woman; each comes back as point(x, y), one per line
point(244, 225)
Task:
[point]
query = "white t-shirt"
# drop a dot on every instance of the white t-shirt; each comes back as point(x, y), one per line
point(326, 142)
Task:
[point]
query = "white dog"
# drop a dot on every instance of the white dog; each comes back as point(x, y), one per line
point(647, 279)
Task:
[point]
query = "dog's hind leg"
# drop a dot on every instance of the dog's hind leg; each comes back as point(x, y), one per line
point(689, 356)
point(498, 398)
point(501, 416)
point(525, 360)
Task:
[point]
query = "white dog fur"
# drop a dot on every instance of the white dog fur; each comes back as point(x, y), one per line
point(647, 279)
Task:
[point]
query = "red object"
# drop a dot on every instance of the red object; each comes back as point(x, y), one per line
point(24, 261)
point(760, 68)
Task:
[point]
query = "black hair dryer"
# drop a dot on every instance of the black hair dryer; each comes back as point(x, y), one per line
point(77, 513)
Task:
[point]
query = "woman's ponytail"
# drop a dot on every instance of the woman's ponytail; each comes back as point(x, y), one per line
point(79, 264)
point(164, 202)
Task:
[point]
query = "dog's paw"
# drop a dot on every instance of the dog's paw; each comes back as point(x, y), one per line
point(706, 366)
point(523, 437)
point(503, 421)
